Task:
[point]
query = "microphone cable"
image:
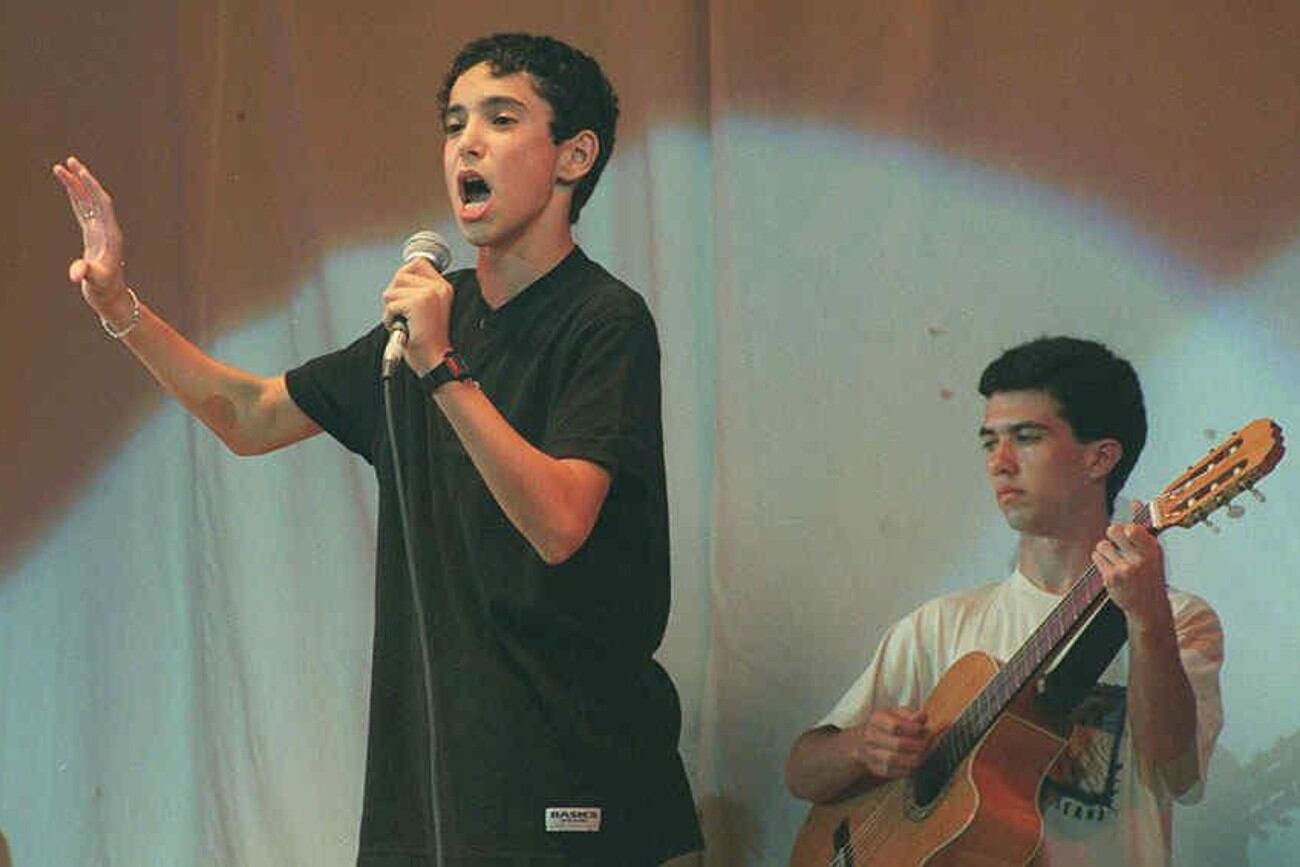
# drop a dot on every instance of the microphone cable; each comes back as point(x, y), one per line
point(431, 247)
point(426, 663)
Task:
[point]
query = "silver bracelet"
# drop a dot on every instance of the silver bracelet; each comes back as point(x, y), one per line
point(132, 321)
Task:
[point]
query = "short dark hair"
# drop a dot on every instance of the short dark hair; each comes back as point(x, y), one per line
point(1097, 391)
point(578, 92)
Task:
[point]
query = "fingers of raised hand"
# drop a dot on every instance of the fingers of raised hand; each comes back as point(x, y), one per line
point(88, 198)
point(100, 234)
point(78, 198)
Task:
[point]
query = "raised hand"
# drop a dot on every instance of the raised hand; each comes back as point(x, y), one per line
point(99, 270)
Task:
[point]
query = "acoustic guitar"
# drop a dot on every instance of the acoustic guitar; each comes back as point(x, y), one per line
point(973, 802)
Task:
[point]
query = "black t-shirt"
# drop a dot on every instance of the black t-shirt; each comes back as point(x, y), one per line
point(546, 693)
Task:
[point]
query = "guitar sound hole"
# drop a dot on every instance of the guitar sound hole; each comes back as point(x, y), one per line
point(925, 788)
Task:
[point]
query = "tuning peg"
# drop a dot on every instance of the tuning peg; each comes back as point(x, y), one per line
point(1258, 495)
point(1235, 511)
point(1214, 528)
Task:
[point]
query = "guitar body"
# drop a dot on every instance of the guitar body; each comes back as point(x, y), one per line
point(988, 813)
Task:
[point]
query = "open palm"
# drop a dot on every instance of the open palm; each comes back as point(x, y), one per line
point(99, 270)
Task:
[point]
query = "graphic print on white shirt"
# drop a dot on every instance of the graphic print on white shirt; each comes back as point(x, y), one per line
point(1085, 781)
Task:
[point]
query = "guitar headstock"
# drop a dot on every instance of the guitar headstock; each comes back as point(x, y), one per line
point(1230, 468)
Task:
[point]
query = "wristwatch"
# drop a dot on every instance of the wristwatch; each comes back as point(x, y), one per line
point(452, 367)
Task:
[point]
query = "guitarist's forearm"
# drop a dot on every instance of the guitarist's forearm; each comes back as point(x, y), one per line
point(1162, 706)
point(822, 764)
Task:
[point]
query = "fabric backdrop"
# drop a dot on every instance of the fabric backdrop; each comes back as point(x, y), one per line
point(838, 212)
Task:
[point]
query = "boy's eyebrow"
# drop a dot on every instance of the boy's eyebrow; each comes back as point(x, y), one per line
point(492, 102)
point(1013, 428)
point(487, 104)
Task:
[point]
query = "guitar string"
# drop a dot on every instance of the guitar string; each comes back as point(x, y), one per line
point(872, 830)
point(877, 831)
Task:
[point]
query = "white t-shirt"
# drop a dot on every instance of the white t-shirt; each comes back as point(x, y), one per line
point(1097, 811)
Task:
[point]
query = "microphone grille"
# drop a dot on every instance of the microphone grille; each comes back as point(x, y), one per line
point(425, 244)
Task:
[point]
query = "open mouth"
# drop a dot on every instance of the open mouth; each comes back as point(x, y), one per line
point(473, 189)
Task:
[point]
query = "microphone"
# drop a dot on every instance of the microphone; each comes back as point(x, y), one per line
point(427, 245)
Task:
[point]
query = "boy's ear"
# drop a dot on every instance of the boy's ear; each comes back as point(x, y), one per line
point(577, 156)
point(1105, 454)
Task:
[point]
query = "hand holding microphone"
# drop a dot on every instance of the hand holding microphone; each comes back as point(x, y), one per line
point(409, 283)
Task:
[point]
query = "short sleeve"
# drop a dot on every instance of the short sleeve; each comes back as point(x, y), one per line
point(1200, 648)
point(893, 678)
point(340, 391)
point(608, 404)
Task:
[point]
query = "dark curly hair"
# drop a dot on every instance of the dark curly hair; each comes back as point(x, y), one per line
point(1097, 391)
point(578, 92)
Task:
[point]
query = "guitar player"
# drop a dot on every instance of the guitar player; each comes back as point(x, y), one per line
point(1063, 426)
